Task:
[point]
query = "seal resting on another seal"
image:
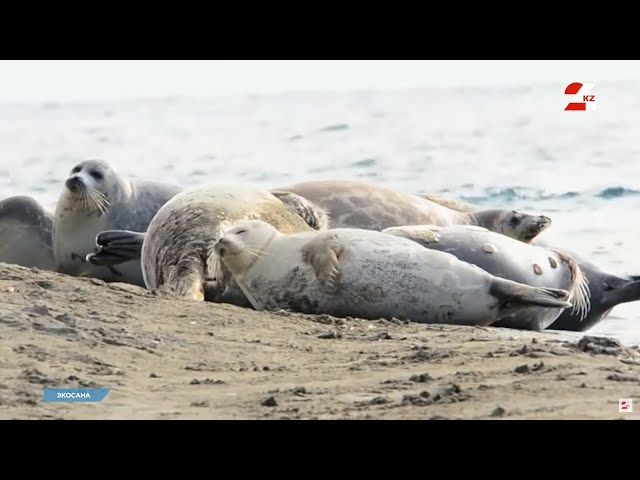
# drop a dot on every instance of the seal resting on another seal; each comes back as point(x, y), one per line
point(353, 204)
point(114, 247)
point(177, 250)
point(369, 274)
point(606, 289)
point(25, 233)
point(511, 259)
point(96, 198)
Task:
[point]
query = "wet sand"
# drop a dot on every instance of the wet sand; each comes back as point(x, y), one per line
point(171, 358)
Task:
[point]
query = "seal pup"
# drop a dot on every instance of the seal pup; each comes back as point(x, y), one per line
point(355, 204)
point(606, 289)
point(514, 260)
point(368, 274)
point(97, 198)
point(25, 233)
point(177, 251)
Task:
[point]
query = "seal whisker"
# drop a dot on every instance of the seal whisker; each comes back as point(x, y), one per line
point(580, 296)
point(99, 199)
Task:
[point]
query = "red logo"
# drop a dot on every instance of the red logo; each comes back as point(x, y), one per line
point(582, 99)
point(625, 405)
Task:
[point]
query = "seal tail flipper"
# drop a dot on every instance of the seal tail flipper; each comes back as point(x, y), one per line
point(518, 293)
point(116, 246)
point(312, 214)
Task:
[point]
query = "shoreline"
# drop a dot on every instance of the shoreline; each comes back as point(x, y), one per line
point(171, 358)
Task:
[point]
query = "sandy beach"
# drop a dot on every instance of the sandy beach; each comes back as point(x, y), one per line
point(167, 358)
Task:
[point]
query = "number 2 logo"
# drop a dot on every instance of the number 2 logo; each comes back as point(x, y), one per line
point(582, 100)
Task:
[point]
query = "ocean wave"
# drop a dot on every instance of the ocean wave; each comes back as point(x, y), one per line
point(617, 192)
point(498, 196)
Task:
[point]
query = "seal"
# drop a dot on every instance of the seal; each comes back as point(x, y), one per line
point(607, 291)
point(368, 274)
point(355, 204)
point(25, 233)
point(114, 247)
point(514, 260)
point(177, 253)
point(97, 198)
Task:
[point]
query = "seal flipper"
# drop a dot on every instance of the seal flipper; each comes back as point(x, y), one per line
point(186, 278)
point(422, 234)
point(313, 215)
point(510, 292)
point(323, 255)
point(115, 247)
point(621, 290)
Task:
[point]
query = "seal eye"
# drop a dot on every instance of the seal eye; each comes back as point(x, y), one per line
point(240, 232)
point(76, 169)
point(96, 174)
point(515, 220)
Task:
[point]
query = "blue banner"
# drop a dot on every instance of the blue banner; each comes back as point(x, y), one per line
point(75, 394)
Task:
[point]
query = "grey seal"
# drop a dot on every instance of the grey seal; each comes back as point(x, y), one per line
point(606, 289)
point(25, 233)
point(511, 259)
point(368, 274)
point(177, 249)
point(97, 198)
point(355, 204)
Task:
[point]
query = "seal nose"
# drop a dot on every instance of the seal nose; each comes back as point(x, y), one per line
point(220, 247)
point(74, 184)
point(544, 220)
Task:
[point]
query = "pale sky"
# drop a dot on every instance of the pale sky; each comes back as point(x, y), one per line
point(65, 80)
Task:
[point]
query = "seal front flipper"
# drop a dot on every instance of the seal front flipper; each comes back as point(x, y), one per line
point(418, 233)
point(116, 246)
point(313, 215)
point(323, 255)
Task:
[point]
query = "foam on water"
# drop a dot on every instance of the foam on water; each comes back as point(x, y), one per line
point(506, 146)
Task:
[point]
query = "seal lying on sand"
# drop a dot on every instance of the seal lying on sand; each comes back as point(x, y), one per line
point(25, 233)
point(353, 204)
point(177, 251)
point(369, 274)
point(606, 289)
point(97, 198)
point(511, 259)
